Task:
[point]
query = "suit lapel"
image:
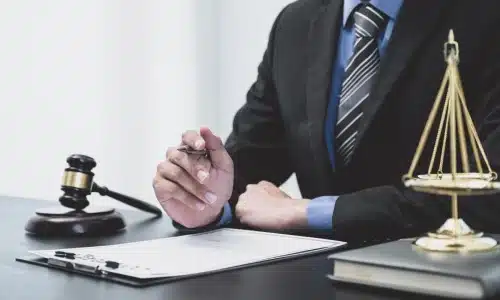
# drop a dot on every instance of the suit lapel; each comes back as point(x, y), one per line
point(415, 22)
point(322, 46)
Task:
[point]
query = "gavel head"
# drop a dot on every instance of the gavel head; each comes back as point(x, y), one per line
point(77, 181)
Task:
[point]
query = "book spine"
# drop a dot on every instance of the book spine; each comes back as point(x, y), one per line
point(491, 284)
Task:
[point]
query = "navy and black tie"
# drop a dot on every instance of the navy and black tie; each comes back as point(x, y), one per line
point(359, 75)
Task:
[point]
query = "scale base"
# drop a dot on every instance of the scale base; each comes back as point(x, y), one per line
point(60, 221)
point(455, 236)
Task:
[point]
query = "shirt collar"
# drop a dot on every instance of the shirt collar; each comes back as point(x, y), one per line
point(389, 7)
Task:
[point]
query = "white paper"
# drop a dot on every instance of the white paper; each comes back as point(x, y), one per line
point(196, 253)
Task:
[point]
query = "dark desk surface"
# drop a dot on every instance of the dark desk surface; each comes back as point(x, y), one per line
point(290, 280)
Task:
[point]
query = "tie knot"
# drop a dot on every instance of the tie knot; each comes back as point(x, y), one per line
point(368, 21)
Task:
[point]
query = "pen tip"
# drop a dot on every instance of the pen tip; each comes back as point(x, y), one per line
point(451, 36)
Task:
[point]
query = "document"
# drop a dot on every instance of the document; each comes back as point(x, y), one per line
point(193, 254)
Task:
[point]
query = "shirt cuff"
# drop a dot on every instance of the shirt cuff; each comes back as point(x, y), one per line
point(224, 218)
point(320, 213)
point(227, 216)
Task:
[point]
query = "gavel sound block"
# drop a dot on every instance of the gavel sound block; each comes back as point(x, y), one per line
point(75, 217)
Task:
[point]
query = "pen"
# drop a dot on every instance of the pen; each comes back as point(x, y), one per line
point(190, 150)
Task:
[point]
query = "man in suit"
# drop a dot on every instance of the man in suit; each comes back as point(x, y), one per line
point(342, 95)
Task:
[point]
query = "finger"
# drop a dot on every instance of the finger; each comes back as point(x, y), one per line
point(255, 188)
point(243, 211)
point(178, 175)
point(272, 189)
point(218, 154)
point(193, 139)
point(240, 208)
point(196, 166)
point(168, 191)
point(250, 188)
point(266, 185)
point(253, 191)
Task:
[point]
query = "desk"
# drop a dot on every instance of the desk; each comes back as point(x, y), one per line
point(298, 279)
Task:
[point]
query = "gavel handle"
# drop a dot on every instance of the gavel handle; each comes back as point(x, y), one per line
point(141, 205)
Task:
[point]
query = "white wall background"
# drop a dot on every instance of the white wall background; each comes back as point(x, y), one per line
point(119, 81)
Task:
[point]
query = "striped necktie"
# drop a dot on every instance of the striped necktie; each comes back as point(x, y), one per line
point(359, 75)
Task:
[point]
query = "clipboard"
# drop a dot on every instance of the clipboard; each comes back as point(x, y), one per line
point(124, 273)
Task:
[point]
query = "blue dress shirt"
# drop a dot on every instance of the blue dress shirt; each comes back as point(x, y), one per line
point(320, 210)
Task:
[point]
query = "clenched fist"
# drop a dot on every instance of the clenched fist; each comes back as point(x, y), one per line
point(192, 189)
point(266, 207)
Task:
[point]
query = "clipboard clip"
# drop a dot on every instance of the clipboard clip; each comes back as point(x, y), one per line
point(71, 265)
point(67, 262)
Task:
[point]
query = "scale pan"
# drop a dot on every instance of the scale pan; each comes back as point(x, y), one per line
point(463, 184)
point(459, 176)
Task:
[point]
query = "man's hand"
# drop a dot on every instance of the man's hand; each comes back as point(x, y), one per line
point(266, 207)
point(193, 189)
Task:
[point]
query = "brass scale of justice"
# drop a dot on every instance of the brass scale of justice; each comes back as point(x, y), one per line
point(456, 134)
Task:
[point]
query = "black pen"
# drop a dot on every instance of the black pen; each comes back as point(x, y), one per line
point(189, 150)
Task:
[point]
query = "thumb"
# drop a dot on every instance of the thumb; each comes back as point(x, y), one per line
point(218, 154)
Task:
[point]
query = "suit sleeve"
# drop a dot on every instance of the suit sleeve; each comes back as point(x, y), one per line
point(393, 211)
point(257, 142)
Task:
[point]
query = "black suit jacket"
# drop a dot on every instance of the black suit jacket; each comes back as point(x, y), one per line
point(280, 128)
